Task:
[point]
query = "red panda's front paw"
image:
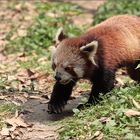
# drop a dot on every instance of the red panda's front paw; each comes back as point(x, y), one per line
point(55, 108)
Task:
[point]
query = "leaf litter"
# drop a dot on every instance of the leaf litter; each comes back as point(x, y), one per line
point(32, 80)
point(14, 126)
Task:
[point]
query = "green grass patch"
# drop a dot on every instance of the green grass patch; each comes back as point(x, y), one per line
point(111, 7)
point(5, 110)
point(57, 7)
point(41, 34)
point(85, 123)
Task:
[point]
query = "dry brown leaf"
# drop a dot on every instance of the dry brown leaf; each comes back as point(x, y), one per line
point(5, 131)
point(2, 57)
point(104, 119)
point(36, 97)
point(17, 121)
point(98, 135)
point(136, 104)
point(24, 73)
point(131, 113)
point(120, 81)
point(44, 102)
point(26, 95)
point(30, 73)
point(21, 98)
point(22, 32)
point(16, 133)
point(18, 7)
point(16, 103)
point(3, 97)
point(11, 78)
point(12, 128)
point(16, 113)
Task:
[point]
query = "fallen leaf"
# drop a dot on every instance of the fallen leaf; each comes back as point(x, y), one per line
point(5, 131)
point(12, 128)
point(104, 119)
point(131, 113)
point(2, 57)
point(24, 74)
point(16, 113)
point(44, 102)
point(36, 97)
point(20, 98)
point(18, 7)
point(98, 135)
point(136, 104)
point(17, 121)
point(3, 97)
point(120, 81)
point(30, 73)
point(26, 95)
point(16, 133)
point(22, 32)
point(16, 103)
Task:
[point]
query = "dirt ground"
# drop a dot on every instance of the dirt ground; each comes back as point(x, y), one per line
point(34, 111)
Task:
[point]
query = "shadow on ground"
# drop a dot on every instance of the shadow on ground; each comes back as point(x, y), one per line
point(34, 111)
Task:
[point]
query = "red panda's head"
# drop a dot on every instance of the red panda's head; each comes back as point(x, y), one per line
point(72, 57)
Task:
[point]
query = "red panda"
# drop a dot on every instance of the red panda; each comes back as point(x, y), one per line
point(95, 55)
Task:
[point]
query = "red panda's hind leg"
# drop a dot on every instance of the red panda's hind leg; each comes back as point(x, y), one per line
point(133, 72)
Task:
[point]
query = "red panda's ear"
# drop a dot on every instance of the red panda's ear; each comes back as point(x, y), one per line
point(60, 35)
point(90, 49)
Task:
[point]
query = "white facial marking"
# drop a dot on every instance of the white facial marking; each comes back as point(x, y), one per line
point(65, 76)
point(79, 72)
point(55, 61)
point(91, 54)
point(66, 64)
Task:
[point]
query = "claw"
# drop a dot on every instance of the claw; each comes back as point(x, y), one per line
point(56, 109)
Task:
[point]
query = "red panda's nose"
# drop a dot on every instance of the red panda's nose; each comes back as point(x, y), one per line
point(57, 77)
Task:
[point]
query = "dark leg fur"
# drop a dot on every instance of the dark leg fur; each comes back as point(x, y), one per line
point(103, 82)
point(133, 72)
point(59, 97)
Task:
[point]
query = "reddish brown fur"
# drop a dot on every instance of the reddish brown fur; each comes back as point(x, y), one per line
point(117, 44)
point(118, 37)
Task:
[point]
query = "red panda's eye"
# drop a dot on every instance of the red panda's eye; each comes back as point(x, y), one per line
point(68, 68)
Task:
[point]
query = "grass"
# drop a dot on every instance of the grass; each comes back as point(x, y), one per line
point(111, 7)
point(39, 36)
point(85, 123)
point(33, 46)
point(42, 32)
point(6, 109)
